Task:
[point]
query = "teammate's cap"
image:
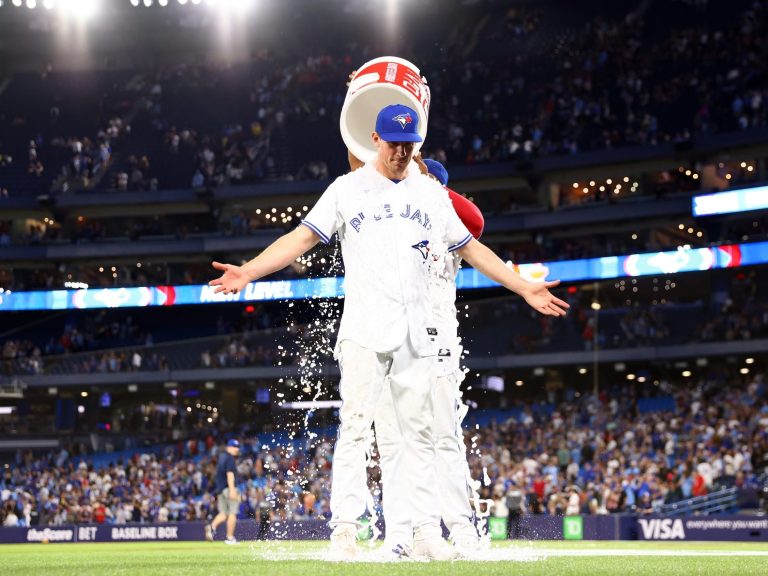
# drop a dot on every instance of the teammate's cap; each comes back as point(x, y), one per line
point(398, 123)
point(233, 443)
point(437, 170)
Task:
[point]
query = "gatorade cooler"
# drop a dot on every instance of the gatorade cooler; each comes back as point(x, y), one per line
point(378, 83)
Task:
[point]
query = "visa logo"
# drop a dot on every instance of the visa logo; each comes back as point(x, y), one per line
point(662, 529)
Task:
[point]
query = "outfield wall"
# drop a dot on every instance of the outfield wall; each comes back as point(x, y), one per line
point(165, 532)
point(740, 528)
point(630, 527)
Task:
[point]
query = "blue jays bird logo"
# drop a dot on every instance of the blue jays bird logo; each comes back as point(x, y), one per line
point(423, 248)
point(403, 119)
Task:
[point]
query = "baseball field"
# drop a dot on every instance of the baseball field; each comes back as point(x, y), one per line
point(311, 558)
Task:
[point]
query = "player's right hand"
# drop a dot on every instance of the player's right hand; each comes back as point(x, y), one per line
point(233, 278)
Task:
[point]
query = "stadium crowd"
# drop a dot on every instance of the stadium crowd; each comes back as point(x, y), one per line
point(575, 85)
point(588, 85)
point(571, 453)
point(601, 454)
point(104, 343)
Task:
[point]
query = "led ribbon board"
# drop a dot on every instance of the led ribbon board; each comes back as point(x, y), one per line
point(646, 264)
point(731, 201)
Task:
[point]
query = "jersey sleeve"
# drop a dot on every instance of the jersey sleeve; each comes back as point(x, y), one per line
point(457, 235)
point(324, 218)
point(468, 212)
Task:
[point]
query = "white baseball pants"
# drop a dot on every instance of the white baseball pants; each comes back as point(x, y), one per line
point(363, 376)
point(450, 462)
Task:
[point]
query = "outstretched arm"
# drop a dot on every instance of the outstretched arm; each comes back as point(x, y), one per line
point(275, 257)
point(537, 295)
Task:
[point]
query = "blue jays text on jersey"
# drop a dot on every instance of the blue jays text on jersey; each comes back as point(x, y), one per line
point(386, 212)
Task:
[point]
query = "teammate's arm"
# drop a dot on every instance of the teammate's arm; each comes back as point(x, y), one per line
point(275, 257)
point(537, 295)
point(354, 161)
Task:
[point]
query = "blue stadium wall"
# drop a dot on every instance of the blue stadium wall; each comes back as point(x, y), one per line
point(740, 528)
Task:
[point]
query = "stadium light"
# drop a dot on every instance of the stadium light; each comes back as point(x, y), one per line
point(31, 4)
point(80, 9)
point(230, 5)
point(17, 3)
point(147, 3)
point(49, 4)
point(135, 2)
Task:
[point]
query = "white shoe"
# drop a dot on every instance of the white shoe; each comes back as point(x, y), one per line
point(465, 540)
point(344, 541)
point(432, 546)
point(231, 541)
point(394, 553)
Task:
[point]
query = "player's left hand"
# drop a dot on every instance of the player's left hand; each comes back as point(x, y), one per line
point(542, 300)
point(232, 280)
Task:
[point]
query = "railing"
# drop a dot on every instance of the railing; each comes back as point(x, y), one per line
point(724, 500)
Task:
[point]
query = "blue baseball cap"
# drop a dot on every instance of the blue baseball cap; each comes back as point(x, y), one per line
point(398, 123)
point(437, 170)
point(233, 443)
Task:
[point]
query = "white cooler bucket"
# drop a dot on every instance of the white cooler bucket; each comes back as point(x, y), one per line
point(378, 83)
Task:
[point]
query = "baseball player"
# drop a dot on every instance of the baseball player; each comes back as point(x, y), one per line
point(388, 219)
point(450, 462)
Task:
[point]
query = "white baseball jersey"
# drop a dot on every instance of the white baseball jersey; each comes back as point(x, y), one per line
point(443, 293)
point(387, 231)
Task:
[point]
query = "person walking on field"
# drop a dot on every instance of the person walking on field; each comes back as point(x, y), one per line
point(228, 495)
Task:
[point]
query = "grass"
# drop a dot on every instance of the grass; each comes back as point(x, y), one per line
point(306, 558)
